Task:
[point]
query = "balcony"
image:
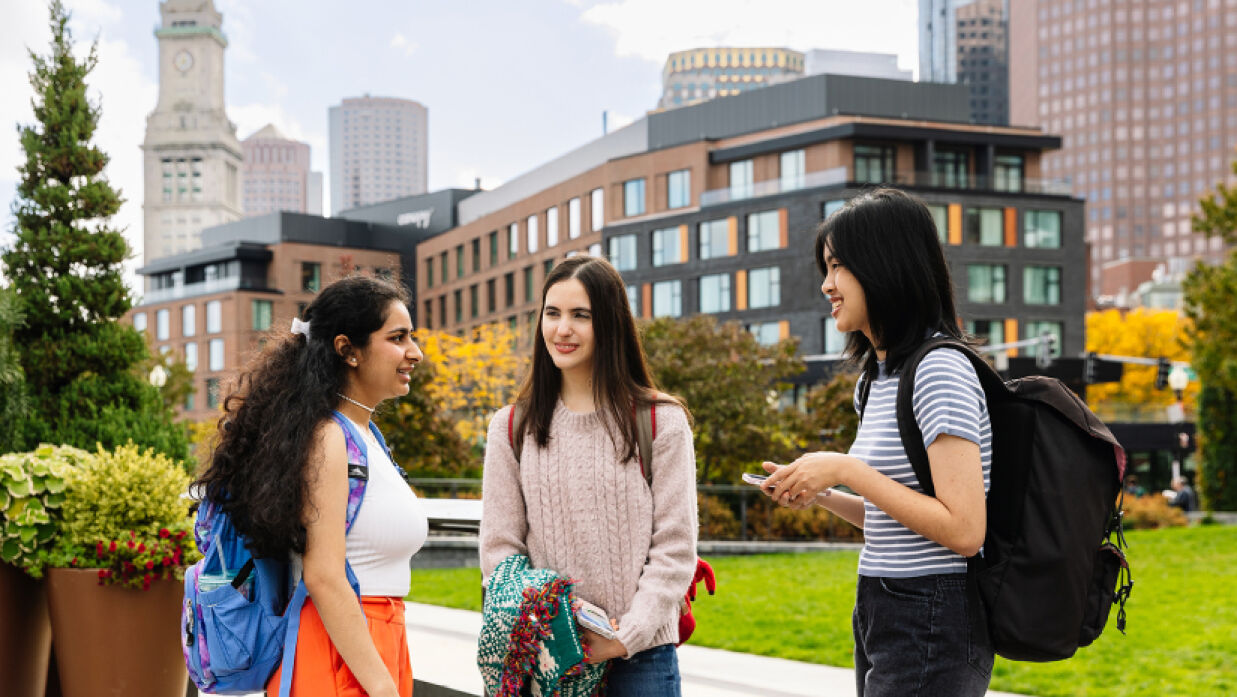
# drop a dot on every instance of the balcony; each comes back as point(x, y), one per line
point(190, 290)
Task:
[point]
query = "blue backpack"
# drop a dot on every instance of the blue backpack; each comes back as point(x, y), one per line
point(237, 623)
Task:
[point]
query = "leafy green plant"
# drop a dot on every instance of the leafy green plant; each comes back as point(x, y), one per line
point(32, 487)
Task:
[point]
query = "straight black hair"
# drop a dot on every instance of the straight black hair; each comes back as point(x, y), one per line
point(888, 240)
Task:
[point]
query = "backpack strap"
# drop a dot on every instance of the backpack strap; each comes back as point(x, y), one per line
point(646, 431)
point(865, 387)
point(516, 446)
point(908, 428)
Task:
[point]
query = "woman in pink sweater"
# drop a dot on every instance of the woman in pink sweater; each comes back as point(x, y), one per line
point(576, 501)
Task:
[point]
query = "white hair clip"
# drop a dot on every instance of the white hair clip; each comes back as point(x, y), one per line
point(299, 327)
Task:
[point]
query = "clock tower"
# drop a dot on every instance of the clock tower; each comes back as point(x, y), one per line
point(192, 155)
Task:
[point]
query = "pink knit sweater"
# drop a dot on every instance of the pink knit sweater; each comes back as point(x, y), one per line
point(575, 508)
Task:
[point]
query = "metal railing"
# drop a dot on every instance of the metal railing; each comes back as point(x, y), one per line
point(189, 290)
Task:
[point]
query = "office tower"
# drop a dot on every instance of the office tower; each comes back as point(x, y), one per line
point(700, 74)
point(277, 176)
point(379, 150)
point(966, 41)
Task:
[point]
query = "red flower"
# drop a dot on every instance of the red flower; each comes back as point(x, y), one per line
point(129, 567)
point(132, 535)
point(112, 547)
point(167, 561)
point(180, 535)
point(164, 533)
point(74, 562)
point(141, 547)
point(131, 545)
point(98, 550)
point(150, 565)
point(102, 575)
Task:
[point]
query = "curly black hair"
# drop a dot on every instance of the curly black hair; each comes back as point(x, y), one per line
point(257, 471)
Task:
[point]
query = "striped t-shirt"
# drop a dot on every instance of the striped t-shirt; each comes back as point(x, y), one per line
point(948, 399)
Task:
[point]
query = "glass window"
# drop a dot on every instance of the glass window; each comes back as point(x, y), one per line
point(1007, 173)
point(633, 299)
point(792, 170)
point(668, 299)
point(216, 355)
point(163, 324)
point(261, 315)
point(990, 331)
point(214, 317)
point(830, 207)
point(985, 283)
point(531, 233)
point(594, 249)
point(623, 252)
point(212, 393)
point(513, 240)
point(311, 277)
point(764, 287)
point(190, 402)
point(491, 296)
point(551, 226)
point(633, 197)
point(1041, 285)
point(715, 293)
point(985, 226)
point(139, 321)
point(474, 302)
point(459, 305)
point(573, 218)
point(766, 333)
point(429, 273)
point(940, 216)
point(1041, 229)
point(188, 320)
point(763, 231)
point(833, 341)
point(509, 288)
point(679, 188)
point(715, 239)
point(949, 168)
point(741, 179)
point(874, 164)
point(668, 246)
point(476, 255)
point(597, 209)
point(528, 284)
point(442, 308)
point(428, 317)
point(547, 266)
point(459, 261)
point(191, 356)
point(494, 248)
point(443, 266)
point(1033, 329)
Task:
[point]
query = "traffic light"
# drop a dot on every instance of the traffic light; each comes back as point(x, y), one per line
point(1161, 373)
point(1088, 367)
point(1043, 352)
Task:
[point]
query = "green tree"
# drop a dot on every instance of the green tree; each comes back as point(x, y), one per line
point(1209, 293)
point(831, 422)
point(12, 378)
point(424, 441)
point(731, 384)
point(65, 268)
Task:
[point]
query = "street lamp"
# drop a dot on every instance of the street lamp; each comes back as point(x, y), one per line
point(1178, 379)
point(158, 376)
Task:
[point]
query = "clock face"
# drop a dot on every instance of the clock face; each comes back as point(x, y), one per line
point(183, 61)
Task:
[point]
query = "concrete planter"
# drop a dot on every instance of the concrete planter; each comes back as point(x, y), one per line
point(26, 639)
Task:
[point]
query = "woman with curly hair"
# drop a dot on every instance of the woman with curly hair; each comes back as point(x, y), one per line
point(281, 470)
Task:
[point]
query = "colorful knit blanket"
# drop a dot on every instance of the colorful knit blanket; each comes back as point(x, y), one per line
point(529, 636)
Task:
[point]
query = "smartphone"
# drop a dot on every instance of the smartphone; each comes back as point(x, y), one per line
point(594, 619)
point(757, 480)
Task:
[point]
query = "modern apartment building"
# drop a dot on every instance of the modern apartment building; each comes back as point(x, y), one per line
point(277, 175)
point(966, 41)
point(699, 74)
point(1144, 95)
point(712, 208)
point(379, 150)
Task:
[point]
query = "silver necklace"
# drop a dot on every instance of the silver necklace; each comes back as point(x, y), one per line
point(346, 397)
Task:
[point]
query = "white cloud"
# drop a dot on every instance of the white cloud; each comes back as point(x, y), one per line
point(652, 29)
point(401, 43)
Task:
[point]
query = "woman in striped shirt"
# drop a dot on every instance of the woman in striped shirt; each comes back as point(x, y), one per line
point(889, 289)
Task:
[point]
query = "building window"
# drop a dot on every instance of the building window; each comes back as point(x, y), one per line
point(474, 301)
point(429, 273)
point(633, 197)
point(188, 320)
point(214, 317)
point(679, 188)
point(139, 321)
point(162, 324)
point(459, 305)
point(940, 217)
point(764, 287)
point(715, 239)
point(766, 333)
point(513, 240)
point(443, 266)
point(261, 315)
point(442, 309)
point(741, 179)
point(191, 356)
point(551, 226)
point(633, 299)
point(764, 231)
point(494, 248)
point(215, 358)
point(990, 331)
point(190, 402)
point(668, 246)
point(1036, 328)
point(594, 249)
point(491, 296)
point(715, 293)
point(1007, 173)
point(792, 170)
point(476, 255)
point(832, 340)
point(597, 209)
point(509, 287)
point(828, 208)
point(949, 168)
point(985, 226)
point(623, 252)
point(212, 393)
point(1041, 285)
point(985, 283)
point(311, 277)
point(1041, 229)
point(668, 299)
point(573, 218)
point(874, 164)
point(531, 233)
point(528, 284)
point(459, 261)
point(428, 319)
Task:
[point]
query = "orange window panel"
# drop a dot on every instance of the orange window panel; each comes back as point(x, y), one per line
point(783, 228)
point(783, 330)
point(646, 301)
point(734, 234)
point(1011, 334)
point(1011, 227)
point(955, 223)
point(740, 289)
point(683, 251)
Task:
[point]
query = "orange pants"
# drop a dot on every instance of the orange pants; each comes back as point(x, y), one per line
point(320, 672)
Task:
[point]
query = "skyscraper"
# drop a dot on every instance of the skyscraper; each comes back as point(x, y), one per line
point(1145, 97)
point(192, 156)
point(379, 150)
point(277, 176)
point(700, 74)
point(966, 41)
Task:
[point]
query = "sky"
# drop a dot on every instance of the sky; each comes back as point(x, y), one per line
point(509, 85)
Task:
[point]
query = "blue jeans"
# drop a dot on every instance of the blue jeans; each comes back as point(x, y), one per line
point(650, 673)
point(913, 639)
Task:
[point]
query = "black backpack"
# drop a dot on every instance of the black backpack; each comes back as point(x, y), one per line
point(1048, 574)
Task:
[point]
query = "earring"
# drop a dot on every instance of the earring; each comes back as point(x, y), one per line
point(351, 361)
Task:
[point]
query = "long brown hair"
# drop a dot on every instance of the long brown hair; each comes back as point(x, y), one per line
point(621, 379)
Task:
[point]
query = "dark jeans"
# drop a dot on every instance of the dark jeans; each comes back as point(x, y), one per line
point(650, 673)
point(912, 639)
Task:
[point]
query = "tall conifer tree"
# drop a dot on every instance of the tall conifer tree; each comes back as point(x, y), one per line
point(65, 268)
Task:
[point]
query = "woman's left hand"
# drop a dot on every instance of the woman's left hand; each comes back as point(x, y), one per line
point(601, 649)
point(796, 485)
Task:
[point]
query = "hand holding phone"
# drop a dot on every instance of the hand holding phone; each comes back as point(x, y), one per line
point(594, 619)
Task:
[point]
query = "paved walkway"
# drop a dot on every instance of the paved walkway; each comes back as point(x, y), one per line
point(443, 644)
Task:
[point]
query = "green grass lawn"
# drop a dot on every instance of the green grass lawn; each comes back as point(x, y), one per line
point(1181, 634)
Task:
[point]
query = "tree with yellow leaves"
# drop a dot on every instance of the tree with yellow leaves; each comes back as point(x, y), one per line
point(1143, 333)
point(475, 375)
